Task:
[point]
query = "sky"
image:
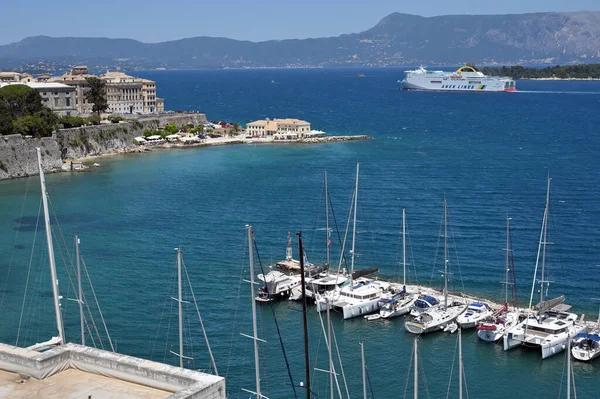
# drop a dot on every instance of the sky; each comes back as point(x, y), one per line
point(256, 20)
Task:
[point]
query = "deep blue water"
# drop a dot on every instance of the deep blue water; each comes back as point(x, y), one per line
point(487, 154)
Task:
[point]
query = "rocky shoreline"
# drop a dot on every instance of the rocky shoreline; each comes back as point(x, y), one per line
point(73, 150)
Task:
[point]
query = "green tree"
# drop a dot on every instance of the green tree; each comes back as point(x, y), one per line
point(72, 121)
point(40, 124)
point(171, 128)
point(94, 119)
point(21, 100)
point(97, 94)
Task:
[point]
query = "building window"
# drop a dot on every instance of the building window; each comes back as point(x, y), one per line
point(68, 100)
point(56, 102)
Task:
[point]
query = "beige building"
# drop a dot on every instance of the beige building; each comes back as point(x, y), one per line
point(60, 98)
point(125, 94)
point(268, 127)
point(9, 77)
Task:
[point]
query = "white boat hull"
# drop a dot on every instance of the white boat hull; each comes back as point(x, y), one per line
point(584, 355)
point(438, 323)
point(490, 336)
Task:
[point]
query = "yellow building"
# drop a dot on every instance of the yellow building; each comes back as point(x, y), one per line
point(268, 127)
point(10, 77)
point(125, 94)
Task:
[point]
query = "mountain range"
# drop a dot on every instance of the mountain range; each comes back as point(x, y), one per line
point(398, 39)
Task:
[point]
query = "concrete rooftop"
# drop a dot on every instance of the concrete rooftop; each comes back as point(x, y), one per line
point(74, 384)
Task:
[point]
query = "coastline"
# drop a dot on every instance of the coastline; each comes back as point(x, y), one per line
point(213, 142)
point(584, 79)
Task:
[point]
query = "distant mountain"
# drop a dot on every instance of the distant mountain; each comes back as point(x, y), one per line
point(398, 39)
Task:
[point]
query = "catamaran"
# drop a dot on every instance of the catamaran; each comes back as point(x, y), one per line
point(359, 296)
point(437, 317)
point(494, 327)
point(552, 325)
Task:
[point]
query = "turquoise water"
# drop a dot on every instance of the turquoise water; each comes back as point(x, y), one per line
point(488, 154)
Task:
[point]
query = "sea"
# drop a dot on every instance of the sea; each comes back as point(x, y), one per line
point(489, 155)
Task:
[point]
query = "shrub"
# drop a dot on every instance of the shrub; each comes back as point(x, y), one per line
point(115, 118)
point(94, 119)
point(148, 133)
point(197, 129)
point(3, 166)
point(72, 121)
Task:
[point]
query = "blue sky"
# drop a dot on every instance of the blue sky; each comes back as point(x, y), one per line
point(256, 20)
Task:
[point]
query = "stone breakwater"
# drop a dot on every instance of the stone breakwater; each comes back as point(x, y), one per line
point(18, 154)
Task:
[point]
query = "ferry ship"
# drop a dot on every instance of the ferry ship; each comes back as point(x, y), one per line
point(466, 78)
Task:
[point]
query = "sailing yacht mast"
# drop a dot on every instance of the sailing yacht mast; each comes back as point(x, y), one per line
point(329, 350)
point(416, 380)
point(80, 290)
point(364, 371)
point(180, 302)
point(354, 224)
point(55, 292)
point(254, 328)
point(507, 258)
point(327, 220)
point(460, 364)
point(445, 257)
point(304, 320)
point(545, 241)
point(404, 245)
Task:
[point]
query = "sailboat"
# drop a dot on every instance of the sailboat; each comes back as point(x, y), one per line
point(398, 304)
point(494, 327)
point(586, 346)
point(552, 325)
point(361, 296)
point(437, 317)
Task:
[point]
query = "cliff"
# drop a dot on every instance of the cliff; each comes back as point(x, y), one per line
point(18, 154)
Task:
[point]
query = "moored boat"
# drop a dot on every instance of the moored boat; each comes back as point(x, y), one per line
point(586, 346)
point(437, 317)
point(277, 285)
point(475, 313)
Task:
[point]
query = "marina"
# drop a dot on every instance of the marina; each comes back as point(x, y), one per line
point(209, 227)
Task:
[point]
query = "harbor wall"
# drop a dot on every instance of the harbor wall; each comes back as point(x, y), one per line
point(18, 154)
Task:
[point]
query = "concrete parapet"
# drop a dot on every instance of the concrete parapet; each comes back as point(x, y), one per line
point(184, 383)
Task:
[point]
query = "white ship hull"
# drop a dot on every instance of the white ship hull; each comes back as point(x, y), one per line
point(461, 80)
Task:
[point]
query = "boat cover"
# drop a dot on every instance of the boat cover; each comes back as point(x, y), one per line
point(593, 337)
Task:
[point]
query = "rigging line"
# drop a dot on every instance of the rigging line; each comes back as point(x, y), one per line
point(162, 313)
point(456, 256)
point(112, 348)
point(328, 344)
point(412, 256)
point(337, 231)
point(14, 246)
point(422, 373)
point(237, 305)
point(515, 293)
point(337, 349)
point(410, 365)
point(452, 370)
point(28, 273)
point(168, 329)
point(212, 359)
point(437, 250)
point(287, 364)
point(85, 301)
point(343, 249)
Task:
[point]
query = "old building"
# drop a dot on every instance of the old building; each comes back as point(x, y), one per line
point(60, 98)
point(125, 94)
point(268, 127)
point(8, 77)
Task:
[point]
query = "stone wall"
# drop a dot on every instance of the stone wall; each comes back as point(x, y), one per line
point(18, 154)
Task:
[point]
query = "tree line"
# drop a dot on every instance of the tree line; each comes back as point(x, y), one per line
point(583, 71)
